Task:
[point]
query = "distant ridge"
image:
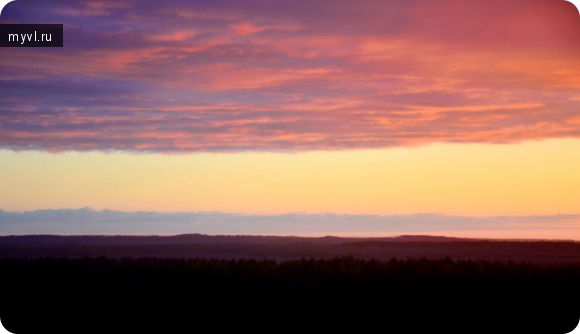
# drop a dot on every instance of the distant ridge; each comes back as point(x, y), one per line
point(196, 238)
point(419, 238)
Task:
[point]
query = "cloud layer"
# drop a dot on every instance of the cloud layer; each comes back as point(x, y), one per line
point(109, 222)
point(174, 76)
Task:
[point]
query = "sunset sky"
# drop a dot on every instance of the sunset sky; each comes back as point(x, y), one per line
point(273, 108)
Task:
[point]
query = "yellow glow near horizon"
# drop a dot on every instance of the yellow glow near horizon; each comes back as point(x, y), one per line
point(532, 178)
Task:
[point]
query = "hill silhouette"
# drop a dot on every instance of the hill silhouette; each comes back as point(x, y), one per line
point(288, 247)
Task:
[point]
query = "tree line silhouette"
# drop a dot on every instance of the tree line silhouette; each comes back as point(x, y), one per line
point(342, 283)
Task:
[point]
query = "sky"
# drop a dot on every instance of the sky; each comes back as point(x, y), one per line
point(461, 110)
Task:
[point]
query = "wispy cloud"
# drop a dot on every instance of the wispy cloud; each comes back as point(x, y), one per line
point(284, 76)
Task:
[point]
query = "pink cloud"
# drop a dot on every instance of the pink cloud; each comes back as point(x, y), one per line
point(273, 76)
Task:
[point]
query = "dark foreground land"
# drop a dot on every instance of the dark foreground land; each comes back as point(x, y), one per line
point(405, 285)
point(288, 248)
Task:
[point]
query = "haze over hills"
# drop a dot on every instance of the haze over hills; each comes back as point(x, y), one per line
point(87, 232)
point(87, 221)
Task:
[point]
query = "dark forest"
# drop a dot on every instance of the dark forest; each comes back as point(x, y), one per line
point(42, 294)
